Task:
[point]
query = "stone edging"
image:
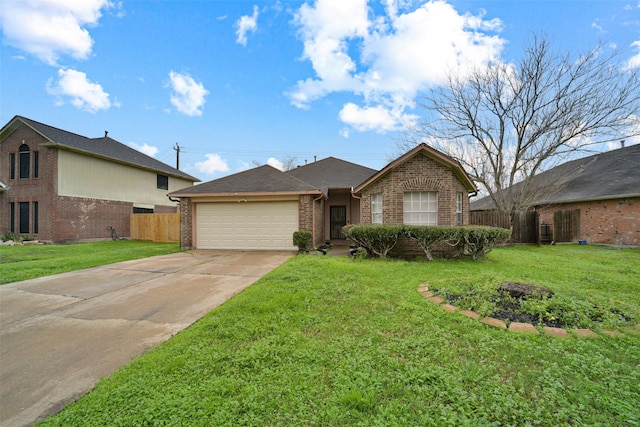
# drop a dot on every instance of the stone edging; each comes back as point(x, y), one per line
point(518, 327)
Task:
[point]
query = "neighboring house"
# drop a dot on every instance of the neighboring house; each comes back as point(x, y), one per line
point(595, 199)
point(261, 208)
point(59, 186)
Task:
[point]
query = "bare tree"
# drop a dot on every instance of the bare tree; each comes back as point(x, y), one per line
point(507, 122)
point(289, 162)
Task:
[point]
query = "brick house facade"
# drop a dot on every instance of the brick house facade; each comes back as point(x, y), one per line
point(330, 193)
point(610, 222)
point(56, 187)
point(600, 191)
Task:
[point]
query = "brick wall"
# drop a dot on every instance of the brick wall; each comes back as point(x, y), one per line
point(305, 213)
point(41, 189)
point(614, 222)
point(186, 223)
point(77, 218)
point(419, 173)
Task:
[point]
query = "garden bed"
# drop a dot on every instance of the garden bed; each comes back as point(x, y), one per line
point(539, 306)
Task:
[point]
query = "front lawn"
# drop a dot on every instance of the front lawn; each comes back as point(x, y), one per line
point(29, 262)
point(327, 341)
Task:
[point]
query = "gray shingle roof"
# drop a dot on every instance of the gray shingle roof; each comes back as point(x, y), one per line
point(104, 147)
point(332, 173)
point(610, 175)
point(263, 179)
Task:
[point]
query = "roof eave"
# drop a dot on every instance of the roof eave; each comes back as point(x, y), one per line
point(591, 199)
point(245, 194)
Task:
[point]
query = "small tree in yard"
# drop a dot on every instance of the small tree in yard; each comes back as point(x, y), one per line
point(507, 122)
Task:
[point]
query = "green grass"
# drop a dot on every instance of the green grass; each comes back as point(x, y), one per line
point(29, 262)
point(324, 341)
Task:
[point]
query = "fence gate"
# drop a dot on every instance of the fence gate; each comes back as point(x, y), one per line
point(566, 225)
point(525, 227)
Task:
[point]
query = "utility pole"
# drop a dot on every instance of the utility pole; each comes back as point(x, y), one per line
point(177, 148)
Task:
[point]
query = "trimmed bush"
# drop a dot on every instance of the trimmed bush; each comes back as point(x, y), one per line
point(479, 240)
point(377, 239)
point(427, 236)
point(302, 239)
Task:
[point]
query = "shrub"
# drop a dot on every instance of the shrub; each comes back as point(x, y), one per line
point(480, 240)
point(427, 236)
point(302, 239)
point(377, 239)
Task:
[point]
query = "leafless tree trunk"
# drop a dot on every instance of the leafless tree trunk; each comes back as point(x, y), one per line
point(507, 122)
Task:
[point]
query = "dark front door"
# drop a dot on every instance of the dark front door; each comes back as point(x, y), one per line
point(338, 219)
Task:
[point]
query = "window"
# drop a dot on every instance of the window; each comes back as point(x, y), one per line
point(35, 216)
point(36, 161)
point(23, 226)
point(376, 208)
point(12, 166)
point(421, 208)
point(142, 210)
point(12, 217)
point(163, 182)
point(458, 208)
point(24, 160)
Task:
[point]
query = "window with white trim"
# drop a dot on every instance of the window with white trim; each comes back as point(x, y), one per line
point(459, 208)
point(421, 208)
point(376, 208)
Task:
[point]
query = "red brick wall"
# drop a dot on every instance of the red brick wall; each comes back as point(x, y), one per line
point(419, 173)
point(615, 222)
point(186, 223)
point(76, 218)
point(42, 189)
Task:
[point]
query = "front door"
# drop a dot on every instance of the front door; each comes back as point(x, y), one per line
point(338, 219)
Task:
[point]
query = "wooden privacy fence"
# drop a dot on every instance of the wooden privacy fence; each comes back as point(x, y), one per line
point(155, 227)
point(566, 225)
point(525, 223)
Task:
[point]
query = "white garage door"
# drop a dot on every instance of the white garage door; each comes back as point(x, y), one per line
point(250, 225)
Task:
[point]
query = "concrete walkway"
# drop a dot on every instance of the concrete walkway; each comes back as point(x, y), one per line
point(60, 334)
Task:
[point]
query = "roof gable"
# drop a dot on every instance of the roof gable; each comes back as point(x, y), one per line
point(105, 147)
point(332, 173)
point(260, 180)
point(430, 152)
point(608, 175)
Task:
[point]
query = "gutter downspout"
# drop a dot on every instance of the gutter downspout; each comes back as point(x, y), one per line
point(360, 204)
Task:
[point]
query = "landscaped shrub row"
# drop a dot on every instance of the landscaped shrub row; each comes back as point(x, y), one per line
point(379, 239)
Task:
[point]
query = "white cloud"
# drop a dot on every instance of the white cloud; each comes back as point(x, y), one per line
point(245, 24)
point(272, 161)
point(213, 164)
point(145, 148)
point(188, 96)
point(48, 29)
point(399, 54)
point(379, 118)
point(634, 62)
point(73, 85)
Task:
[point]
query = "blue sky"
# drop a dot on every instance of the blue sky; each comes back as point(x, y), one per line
point(241, 83)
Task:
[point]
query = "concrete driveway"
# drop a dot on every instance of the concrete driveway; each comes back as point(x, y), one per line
point(60, 334)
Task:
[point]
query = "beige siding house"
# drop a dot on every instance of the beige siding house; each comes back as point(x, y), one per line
point(59, 186)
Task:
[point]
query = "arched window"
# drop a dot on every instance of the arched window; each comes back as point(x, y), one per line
point(24, 160)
